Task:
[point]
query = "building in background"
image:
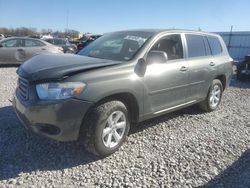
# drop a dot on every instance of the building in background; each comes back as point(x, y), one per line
point(238, 43)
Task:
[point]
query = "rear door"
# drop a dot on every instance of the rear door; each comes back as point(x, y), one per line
point(12, 51)
point(166, 83)
point(219, 59)
point(199, 59)
point(33, 47)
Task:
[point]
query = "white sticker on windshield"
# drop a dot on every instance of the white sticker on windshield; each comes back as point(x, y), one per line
point(140, 40)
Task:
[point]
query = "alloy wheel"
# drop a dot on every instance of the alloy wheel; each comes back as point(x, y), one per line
point(114, 130)
point(215, 95)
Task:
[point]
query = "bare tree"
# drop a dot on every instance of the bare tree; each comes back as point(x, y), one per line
point(24, 31)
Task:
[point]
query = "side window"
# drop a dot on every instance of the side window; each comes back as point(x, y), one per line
point(170, 44)
point(214, 45)
point(32, 43)
point(59, 42)
point(207, 47)
point(12, 43)
point(195, 45)
point(50, 41)
point(56, 42)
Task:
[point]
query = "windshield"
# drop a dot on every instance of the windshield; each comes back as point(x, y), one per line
point(119, 46)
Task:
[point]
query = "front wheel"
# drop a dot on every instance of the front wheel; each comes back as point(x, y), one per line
point(213, 97)
point(107, 127)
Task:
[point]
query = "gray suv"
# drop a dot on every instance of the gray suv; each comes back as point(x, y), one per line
point(120, 79)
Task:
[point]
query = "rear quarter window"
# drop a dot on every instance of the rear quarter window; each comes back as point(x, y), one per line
point(59, 42)
point(195, 45)
point(215, 45)
point(50, 41)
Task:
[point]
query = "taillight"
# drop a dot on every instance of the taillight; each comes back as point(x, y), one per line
point(60, 49)
point(231, 61)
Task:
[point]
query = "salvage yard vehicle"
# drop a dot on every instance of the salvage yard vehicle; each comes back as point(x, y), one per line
point(86, 40)
point(16, 50)
point(243, 69)
point(2, 36)
point(64, 43)
point(120, 79)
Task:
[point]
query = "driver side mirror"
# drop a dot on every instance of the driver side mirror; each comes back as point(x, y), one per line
point(156, 56)
point(1, 45)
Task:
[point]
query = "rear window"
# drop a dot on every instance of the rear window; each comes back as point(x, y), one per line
point(195, 45)
point(49, 41)
point(214, 45)
point(32, 43)
point(59, 42)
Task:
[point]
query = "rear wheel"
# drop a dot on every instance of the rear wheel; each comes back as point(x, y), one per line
point(213, 97)
point(107, 127)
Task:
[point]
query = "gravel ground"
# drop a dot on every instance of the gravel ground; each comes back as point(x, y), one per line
point(182, 149)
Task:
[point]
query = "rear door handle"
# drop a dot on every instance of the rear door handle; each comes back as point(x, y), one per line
point(211, 63)
point(183, 68)
point(20, 49)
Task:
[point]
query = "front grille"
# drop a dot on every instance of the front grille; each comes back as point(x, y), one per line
point(23, 88)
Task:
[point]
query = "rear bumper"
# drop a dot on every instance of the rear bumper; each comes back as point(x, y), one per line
point(60, 120)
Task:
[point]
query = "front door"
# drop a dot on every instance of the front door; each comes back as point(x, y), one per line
point(11, 52)
point(166, 83)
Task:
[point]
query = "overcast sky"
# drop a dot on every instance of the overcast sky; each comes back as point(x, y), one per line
point(101, 16)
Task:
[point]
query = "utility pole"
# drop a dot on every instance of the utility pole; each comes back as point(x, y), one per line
point(67, 21)
point(230, 37)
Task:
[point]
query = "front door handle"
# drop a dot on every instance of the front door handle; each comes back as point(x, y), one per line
point(211, 63)
point(183, 68)
point(20, 49)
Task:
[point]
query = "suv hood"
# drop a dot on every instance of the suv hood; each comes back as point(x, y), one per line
point(54, 66)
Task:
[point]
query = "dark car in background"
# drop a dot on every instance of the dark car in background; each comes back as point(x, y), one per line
point(64, 43)
point(16, 50)
point(86, 40)
point(243, 69)
point(2, 36)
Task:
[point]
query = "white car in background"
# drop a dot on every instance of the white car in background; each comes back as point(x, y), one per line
point(16, 50)
point(2, 36)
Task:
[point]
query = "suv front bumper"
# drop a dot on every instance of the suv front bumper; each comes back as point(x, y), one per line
point(60, 120)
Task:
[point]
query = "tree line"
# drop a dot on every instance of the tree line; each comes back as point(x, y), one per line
point(24, 31)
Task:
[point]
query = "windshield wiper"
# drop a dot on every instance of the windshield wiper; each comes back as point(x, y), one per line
point(95, 57)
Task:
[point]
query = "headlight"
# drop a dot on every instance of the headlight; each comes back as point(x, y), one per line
point(60, 90)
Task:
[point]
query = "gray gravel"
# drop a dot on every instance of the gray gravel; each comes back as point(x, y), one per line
point(182, 149)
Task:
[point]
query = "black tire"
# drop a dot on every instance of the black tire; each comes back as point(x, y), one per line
point(94, 125)
point(206, 105)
